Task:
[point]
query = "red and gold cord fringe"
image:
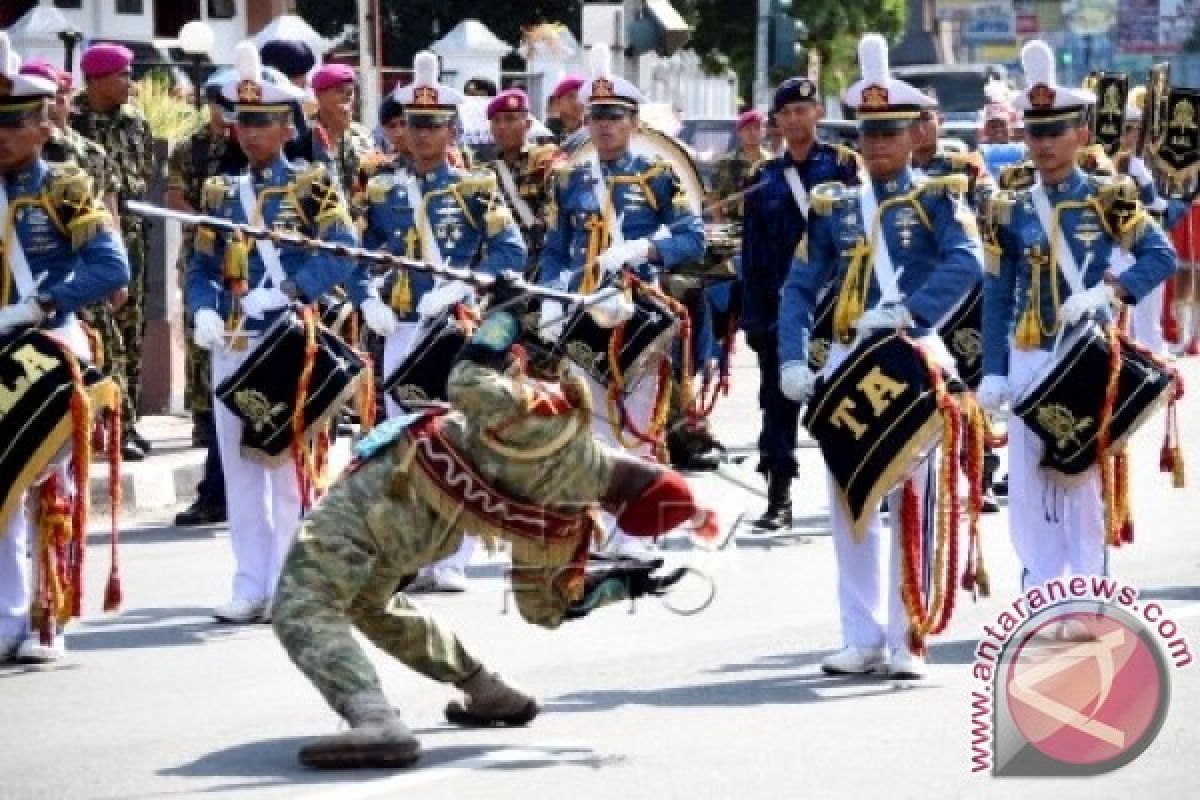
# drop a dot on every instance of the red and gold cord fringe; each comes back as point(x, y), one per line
point(710, 390)
point(975, 578)
point(1170, 323)
point(923, 623)
point(1103, 457)
point(307, 457)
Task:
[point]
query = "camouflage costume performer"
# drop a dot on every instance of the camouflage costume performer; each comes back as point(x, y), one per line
point(398, 509)
point(125, 135)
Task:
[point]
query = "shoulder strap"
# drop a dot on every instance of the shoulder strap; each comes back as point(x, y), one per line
point(881, 256)
point(513, 195)
point(1062, 248)
point(798, 191)
point(12, 253)
point(273, 267)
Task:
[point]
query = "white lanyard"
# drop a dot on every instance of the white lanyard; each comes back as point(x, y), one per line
point(17, 263)
point(881, 257)
point(514, 197)
point(429, 246)
point(273, 268)
point(798, 191)
point(1066, 259)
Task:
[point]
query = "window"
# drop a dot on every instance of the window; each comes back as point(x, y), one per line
point(222, 9)
point(129, 6)
point(68, 4)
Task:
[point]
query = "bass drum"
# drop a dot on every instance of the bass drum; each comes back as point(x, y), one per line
point(651, 143)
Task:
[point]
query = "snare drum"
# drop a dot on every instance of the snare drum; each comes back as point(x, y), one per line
point(1063, 402)
point(646, 336)
point(875, 418)
point(262, 391)
point(421, 377)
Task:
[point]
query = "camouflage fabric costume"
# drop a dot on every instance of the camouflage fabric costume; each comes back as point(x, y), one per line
point(730, 174)
point(349, 159)
point(125, 136)
point(391, 515)
point(192, 161)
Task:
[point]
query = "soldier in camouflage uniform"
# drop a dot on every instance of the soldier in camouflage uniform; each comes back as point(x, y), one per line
point(522, 169)
point(102, 114)
point(734, 168)
point(333, 138)
point(402, 505)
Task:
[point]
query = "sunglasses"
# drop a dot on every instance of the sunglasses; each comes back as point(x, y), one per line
point(609, 114)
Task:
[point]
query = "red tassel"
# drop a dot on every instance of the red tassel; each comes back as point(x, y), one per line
point(1170, 325)
point(112, 590)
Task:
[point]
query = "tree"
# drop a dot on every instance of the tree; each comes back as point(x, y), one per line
point(412, 25)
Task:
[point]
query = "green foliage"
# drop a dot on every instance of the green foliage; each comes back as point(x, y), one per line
point(170, 117)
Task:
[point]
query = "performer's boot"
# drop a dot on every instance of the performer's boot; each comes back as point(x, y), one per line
point(991, 463)
point(778, 515)
point(377, 738)
point(489, 701)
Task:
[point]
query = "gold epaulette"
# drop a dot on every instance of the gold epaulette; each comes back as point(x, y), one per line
point(380, 186)
point(956, 183)
point(966, 162)
point(311, 180)
point(73, 203)
point(824, 197)
point(319, 197)
point(214, 192)
point(541, 155)
point(478, 181)
point(1017, 176)
point(1120, 208)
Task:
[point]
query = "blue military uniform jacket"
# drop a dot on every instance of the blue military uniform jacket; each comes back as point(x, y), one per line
point(646, 196)
point(466, 212)
point(67, 237)
point(773, 226)
point(1097, 215)
point(932, 237)
point(290, 197)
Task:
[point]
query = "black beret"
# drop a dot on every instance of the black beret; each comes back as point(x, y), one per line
point(289, 57)
point(795, 90)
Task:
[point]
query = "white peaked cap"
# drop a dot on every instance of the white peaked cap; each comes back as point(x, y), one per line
point(878, 97)
point(1042, 97)
point(249, 88)
point(23, 90)
point(425, 94)
point(604, 88)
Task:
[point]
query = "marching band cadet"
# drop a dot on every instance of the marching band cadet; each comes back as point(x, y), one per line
point(61, 252)
point(512, 450)
point(775, 223)
point(523, 169)
point(264, 502)
point(1067, 222)
point(606, 215)
point(441, 215)
point(1145, 318)
point(921, 239)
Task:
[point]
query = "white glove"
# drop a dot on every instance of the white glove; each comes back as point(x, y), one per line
point(441, 297)
point(20, 315)
point(796, 381)
point(993, 392)
point(263, 299)
point(552, 321)
point(1139, 172)
point(208, 329)
point(379, 317)
point(1102, 295)
point(632, 252)
point(610, 307)
point(893, 316)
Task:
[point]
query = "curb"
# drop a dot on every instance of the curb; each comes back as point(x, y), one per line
point(148, 486)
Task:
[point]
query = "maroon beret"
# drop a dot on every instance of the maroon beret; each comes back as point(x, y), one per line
point(751, 117)
point(567, 85)
point(508, 100)
point(104, 59)
point(330, 75)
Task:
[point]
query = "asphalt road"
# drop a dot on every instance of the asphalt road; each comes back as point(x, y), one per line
point(157, 701)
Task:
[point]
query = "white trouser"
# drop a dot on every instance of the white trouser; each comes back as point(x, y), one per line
point(263, 502)
point(1056, 530)
point(16, 572)
point(870, 571)
point(395, 348)
point(639, 406)
point(1145, 322)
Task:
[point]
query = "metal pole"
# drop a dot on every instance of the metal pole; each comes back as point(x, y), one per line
point(197, 89)
point(368, 75)
point(760, 53)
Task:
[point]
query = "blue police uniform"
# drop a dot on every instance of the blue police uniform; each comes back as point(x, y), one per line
point(466, 214)
point(772, 228)
point(646, 196)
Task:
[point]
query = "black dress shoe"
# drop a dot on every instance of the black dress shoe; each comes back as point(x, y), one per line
point(131, 452)
point(140, 441)
point(775, 518)
point(201, 436)
point(989, 505)
point(201, 513)
point(1000, 487)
